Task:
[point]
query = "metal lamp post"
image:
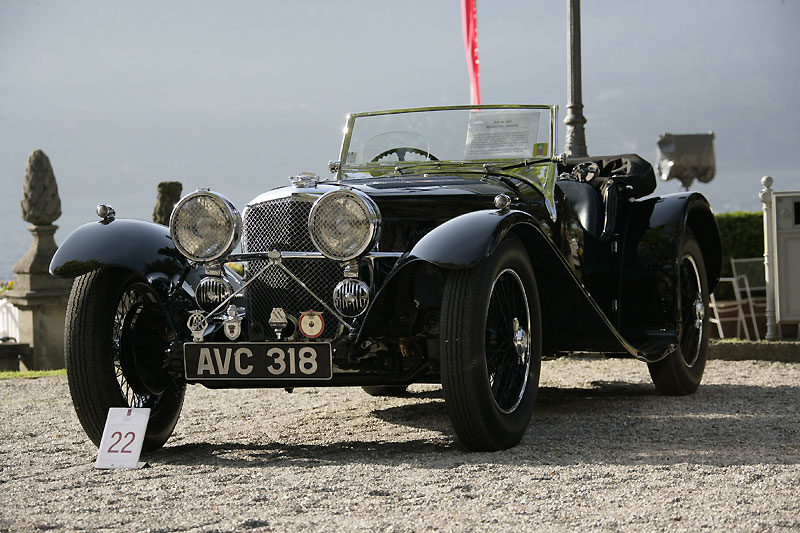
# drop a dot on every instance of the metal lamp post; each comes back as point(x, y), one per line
point(576, 136)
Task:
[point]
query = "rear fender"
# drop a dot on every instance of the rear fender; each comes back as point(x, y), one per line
point(651, 248)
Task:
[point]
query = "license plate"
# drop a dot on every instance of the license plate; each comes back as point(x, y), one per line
point(258, 360)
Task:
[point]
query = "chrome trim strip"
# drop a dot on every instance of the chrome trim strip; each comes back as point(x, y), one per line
point(381, 255)
point(307, 195)
point(264, 256)
point(449, 108)
point(347, 134)
point(553, 130)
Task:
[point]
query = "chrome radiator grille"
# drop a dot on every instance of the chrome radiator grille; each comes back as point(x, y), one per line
point(282, 225)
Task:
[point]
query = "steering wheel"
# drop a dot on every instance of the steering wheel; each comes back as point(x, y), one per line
point(585, 172)
point(401, 154)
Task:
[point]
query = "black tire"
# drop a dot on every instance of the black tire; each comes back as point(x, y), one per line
point(386, 390)
point(114, 339)
point(490, 399)
point(681, 372)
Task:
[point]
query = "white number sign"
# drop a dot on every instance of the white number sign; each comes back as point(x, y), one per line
point(306, 359)
point(123, 437)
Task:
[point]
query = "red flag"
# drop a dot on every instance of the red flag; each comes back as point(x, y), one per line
point(471, 48)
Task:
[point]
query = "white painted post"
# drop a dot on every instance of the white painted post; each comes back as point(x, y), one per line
point(769, 256)
point(9, 320)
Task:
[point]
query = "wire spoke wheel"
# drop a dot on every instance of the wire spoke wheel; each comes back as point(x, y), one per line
point(490, 345)
point(115, 341)
point(682, 370)
point(507, 340)
point(128, 302)
point(693, 310)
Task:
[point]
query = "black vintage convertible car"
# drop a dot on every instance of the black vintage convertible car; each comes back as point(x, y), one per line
point(451, 245)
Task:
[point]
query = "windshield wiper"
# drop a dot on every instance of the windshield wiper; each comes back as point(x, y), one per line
point(505, 179)
point(525, 163)
point(486, 166)
point(417, 164)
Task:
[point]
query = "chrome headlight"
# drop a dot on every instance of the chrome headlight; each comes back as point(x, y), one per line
point(205, 226)
point(344, 224)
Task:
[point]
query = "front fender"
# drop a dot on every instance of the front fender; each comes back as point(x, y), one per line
point(144, 247)
point(468, 239)
point(461, 242)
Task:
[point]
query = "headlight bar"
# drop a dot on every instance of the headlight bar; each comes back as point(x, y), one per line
point(264, 256)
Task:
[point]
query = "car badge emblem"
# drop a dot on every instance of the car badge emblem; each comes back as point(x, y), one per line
point(311, 324)
point(277, 321)
point(232, 323)
point(197, 324)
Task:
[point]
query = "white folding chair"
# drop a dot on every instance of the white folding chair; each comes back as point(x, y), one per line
point(752, 270)
point(741, 322)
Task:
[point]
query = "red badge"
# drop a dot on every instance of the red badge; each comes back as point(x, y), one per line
point(311, 324)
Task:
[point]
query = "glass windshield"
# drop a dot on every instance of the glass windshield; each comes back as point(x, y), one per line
point(474, 133)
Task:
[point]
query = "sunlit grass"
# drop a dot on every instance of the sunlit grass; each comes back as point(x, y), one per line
point(30, 374)
point(236, 267)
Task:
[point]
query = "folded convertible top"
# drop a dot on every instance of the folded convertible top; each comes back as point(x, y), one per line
point(629, 168)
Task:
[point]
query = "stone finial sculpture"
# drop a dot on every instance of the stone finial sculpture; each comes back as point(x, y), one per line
point(169, 192)
point(40, 298)
point(40, 204)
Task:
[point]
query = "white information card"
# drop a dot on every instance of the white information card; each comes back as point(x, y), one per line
point(123, 437)
point(497, 134)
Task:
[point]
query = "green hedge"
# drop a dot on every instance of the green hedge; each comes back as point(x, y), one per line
point(742, 235)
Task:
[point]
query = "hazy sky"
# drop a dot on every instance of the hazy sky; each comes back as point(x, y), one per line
point(238, 95)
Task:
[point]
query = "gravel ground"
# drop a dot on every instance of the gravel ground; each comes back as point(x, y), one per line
point(603, 452)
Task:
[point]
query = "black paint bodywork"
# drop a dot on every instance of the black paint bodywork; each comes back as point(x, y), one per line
point(612, 291)
point(140, 246)
point(134, 245)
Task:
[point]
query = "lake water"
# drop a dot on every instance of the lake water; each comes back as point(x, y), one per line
point(730, 191)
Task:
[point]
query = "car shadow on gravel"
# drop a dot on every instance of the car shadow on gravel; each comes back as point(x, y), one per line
point(248, 455)
point(609, 423)
point(631, 424)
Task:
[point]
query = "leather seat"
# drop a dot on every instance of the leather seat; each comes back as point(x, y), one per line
point(632, 177)
point(585, 201)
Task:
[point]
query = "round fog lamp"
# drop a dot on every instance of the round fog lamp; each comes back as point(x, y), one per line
point(351, 297)
point(212, 291)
